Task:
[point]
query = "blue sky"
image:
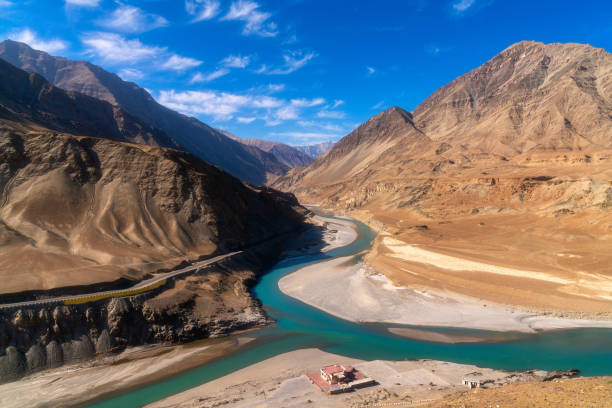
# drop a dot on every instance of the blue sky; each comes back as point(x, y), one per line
point(295, 71)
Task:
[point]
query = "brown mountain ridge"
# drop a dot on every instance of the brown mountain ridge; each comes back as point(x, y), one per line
point(245, 162)
point(288, 155)
point(84, 204)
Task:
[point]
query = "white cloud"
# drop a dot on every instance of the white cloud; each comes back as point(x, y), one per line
point(329, 114)
point(307, 103)
point(220, 105)
point(131, 74)
point(276, 87)
point(6, 3)
point(242, 119)
point(256, 22)
point(294, 60)
point(114, 49)
point(178, 63)
point(236, 61)
point(267, 102)
point(129, 19)
point(287, 112)
point(337, 103)
point(378, 105)
point(202, 9)
point(31, 38)
point(463, 5)
point(225, 106)
point(371, 71)
point(83, 3)
point(199, 77)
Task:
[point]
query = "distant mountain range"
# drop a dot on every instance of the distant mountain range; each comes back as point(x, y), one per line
point(245, 162)
point(288, 155)
point(316, 150)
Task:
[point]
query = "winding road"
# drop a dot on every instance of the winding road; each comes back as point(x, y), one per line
point(140, 286)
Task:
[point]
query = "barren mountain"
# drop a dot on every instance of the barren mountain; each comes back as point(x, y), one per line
point(245, 162)
point(509, 166)
point(288, 155)
point(80, 210)
point(85, 210)
point(28, 99)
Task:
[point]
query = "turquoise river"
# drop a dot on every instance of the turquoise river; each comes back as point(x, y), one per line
point(300, 326)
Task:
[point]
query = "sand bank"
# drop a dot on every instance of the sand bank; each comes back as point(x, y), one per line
point(278, 382)
point(357, 293)
point(591, 285)
point(328, 234)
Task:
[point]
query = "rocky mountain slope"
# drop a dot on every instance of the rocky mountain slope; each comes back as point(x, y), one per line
point(245, 162)
point(31, 101)
point(287, 155)
point(509, 164)
point(81, 210)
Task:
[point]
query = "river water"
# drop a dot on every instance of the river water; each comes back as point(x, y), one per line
point(300, 326)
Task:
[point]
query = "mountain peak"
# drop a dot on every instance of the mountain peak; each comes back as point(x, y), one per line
point(524, 70)
point(386, 117)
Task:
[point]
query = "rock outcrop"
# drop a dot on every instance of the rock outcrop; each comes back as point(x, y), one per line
point(210, 303)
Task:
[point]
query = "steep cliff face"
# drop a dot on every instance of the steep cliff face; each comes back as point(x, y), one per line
point(245, 162)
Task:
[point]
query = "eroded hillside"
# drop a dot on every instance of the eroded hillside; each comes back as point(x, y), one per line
point(80, 210)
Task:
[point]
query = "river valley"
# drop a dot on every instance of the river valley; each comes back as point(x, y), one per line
point(300, 326)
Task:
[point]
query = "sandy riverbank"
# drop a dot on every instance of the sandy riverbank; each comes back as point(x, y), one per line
point(77, 384)
point(357, 293)
point(327, 234)
point(278, 382)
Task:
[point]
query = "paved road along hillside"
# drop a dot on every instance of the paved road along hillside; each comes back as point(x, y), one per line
point(138, 288)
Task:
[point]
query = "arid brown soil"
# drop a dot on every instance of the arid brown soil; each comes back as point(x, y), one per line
point(562, 393)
